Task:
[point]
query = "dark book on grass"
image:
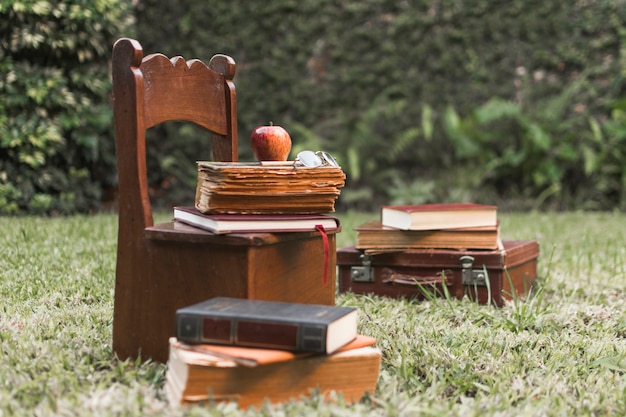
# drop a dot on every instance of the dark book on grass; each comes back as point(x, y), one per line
point(246, 223)
point(439, 216)
point(267, 324)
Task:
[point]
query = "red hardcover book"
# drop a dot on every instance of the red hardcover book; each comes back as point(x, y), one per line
point(439, 216)
point(267, 324)
point(248, 223)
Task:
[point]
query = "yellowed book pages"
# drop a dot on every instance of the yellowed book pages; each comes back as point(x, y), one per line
point(373, 237)
point(240, 188)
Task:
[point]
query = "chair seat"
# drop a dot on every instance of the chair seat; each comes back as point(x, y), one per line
point(179, 232)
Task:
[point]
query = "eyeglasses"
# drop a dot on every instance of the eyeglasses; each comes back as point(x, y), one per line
point(316, 159)
point(308, 159)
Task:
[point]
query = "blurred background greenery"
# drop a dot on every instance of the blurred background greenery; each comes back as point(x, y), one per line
point(520, 103)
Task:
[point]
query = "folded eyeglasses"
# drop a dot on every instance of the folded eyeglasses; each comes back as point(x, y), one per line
point(316, 159)
point(308, 159)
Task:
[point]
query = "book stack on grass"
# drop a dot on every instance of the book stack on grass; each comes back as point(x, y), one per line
point(252, 352)
point(255, 188)
point(459, 226)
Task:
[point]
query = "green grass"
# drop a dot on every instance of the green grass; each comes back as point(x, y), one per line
point(562, 351)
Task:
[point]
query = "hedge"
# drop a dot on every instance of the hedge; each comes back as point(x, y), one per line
point(519, 103)
point(56, 153)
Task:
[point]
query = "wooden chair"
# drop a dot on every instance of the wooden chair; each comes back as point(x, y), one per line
point(162, 267)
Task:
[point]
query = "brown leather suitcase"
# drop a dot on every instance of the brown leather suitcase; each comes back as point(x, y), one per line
point(483, 275)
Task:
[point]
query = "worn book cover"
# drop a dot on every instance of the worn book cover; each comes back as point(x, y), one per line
point(267, 324)
point(439, 216)
point(245, 223)
point(373, 237)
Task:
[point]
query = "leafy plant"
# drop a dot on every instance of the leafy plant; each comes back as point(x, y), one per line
point(516, 150)
point(56, 149)
point(604, 156)
point(374, 142)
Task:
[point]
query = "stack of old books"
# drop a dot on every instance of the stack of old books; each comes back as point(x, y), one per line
point(257, 188)
point(243, 197)
point(443, 250)
point(459, 226)
point(253, 352)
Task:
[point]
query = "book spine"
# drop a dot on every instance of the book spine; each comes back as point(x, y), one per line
point(194, 328)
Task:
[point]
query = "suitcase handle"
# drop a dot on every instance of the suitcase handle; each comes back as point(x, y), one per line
point(391, 277)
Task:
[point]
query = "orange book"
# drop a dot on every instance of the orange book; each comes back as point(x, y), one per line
point(251, 357)
point(250, 376)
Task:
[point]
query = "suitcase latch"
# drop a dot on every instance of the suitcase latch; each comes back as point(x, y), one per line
point(364, 272)
point(473, 277)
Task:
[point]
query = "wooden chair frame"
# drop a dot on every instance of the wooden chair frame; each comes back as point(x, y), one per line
point(163, 267)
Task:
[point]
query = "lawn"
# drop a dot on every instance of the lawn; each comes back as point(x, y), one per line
point(562, 351)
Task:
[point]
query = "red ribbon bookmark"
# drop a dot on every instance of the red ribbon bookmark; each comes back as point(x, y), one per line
point(326, 252)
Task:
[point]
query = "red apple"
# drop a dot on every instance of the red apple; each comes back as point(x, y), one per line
point(270, 143)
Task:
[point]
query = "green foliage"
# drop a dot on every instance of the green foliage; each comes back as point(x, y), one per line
point(56, 149)
point(506, 102)
point(513, 150)
point(539, 156)
point(604, 156)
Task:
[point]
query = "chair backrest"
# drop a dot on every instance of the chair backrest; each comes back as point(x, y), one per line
point(154, 89)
